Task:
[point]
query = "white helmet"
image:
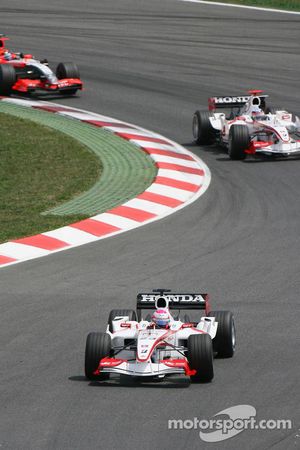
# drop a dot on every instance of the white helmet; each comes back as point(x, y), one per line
point(7, 56)
point(161, 317)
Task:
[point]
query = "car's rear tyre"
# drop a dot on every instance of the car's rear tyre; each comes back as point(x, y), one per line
point(7, 78)
point(120, 312)
point(239, 141)
point(203, 132)
point(273, 109)
point(67, 70)
point(98, 346)
point(225, 339)
point(200, 357)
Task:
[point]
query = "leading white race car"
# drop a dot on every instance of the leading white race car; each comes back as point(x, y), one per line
point(155, 348)
point(249, 128)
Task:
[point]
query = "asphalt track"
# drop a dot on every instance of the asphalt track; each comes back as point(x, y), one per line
point(153, 63)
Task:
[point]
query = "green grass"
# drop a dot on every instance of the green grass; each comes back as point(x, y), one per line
point(39, 168)
point(292, 5)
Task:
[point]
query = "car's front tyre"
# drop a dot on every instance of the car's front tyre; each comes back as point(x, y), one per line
point(7, 78)
point(200, 357)
point(98, 346)
point(239, 141)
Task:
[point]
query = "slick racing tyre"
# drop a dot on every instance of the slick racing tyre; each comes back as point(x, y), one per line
point(203, 132)
point(98, 346)
point(273, 109)
point(67, 70)
point(7, 78)
point(239, 141)
point(120, 312)
point(200, 357)
point(224, 342)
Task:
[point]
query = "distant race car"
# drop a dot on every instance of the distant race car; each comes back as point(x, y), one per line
point(23, 74)
point(161, 344)
point(249, 128)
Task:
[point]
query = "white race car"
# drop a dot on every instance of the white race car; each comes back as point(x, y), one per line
point(147, 347)
point(249, 128)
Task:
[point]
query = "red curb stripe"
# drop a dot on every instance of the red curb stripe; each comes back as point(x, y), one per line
point(100, 123)
point(53, 109)
point(132, 213)
point(42, 241)
point(95, 227)
point(158, 151)
point(138, 137)
point(184, 185)
point(171, 166)
point(6, 259)
point(161, 199)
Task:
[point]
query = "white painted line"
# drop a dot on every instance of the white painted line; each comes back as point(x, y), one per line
point(171, 192)
point(232, 5)
point(177, 161)
point(71, 236)
point(79, 116)
point(181, 176)
point(21, 251)
point(117, 221)
point(27, 103)
point(146, 205)
point(125, 130)
point(156, 145)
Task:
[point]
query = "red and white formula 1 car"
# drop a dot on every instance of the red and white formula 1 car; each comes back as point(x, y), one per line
point(249, 128)
point(23, 74)
point(154, 347)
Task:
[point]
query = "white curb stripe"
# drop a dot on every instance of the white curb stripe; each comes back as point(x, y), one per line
point(156, 145)
point(171, 190)
point(71, 236)
point(21, 251)
point(145, 205)
point(233, 5)
point(177, 161)
point(181, 176)
point(168, 191)
point(117, 221)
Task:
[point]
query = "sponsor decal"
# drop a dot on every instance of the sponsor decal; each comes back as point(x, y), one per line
point(175, 298)
point(240, 99)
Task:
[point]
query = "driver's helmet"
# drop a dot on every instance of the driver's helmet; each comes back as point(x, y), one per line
point(256, 112)
point(255, 107)
point(161, 318)
point(7, 56)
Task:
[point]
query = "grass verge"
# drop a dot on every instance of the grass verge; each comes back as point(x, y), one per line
point(40, 168)
point(291, 5)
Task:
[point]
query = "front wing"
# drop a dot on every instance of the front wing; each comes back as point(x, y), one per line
point(268, 148)
point(144, 369)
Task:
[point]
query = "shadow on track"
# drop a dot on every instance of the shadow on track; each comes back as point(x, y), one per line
point(129, 382)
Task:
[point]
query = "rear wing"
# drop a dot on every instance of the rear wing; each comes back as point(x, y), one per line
point(231, 101)
point(161, 298)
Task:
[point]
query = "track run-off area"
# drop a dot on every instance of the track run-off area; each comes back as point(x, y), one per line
point(153, 64)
